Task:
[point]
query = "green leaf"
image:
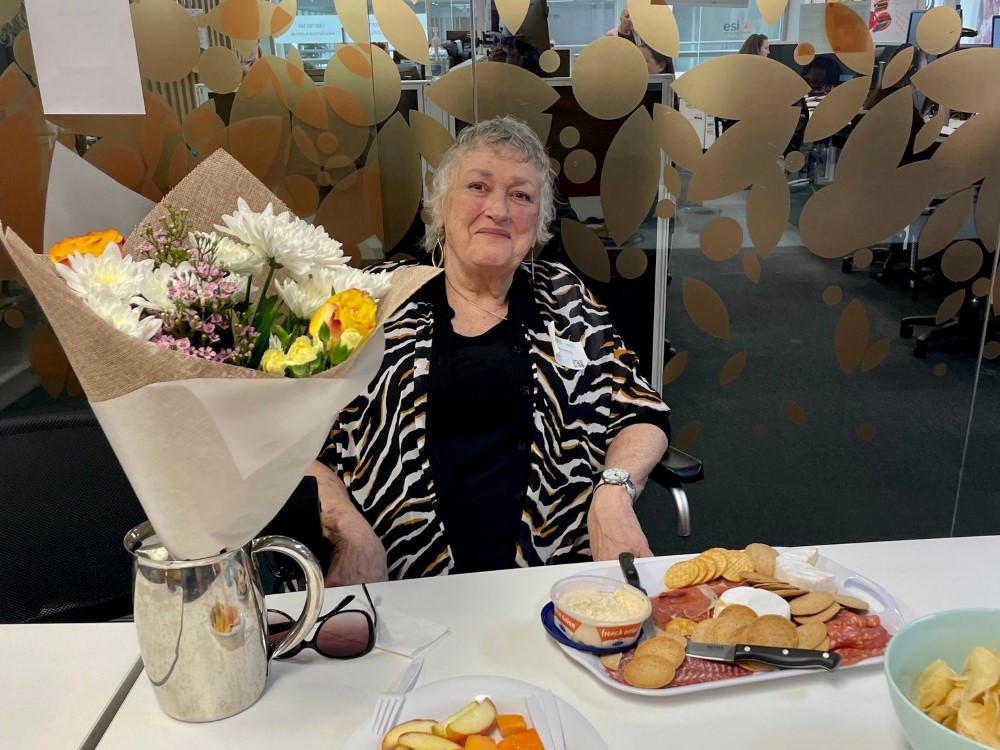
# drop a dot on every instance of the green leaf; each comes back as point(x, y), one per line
point(324, 336)
point(299, 371)
point(283, 336)
point(339, 354)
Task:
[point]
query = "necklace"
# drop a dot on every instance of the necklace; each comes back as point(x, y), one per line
point(478, 307)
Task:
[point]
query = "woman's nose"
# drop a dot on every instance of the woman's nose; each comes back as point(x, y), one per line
point(496, 205)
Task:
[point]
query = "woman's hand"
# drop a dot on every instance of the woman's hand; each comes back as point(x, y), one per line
point(358, 553)
point(613, 525)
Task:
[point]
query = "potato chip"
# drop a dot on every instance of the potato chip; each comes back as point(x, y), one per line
point(983, 669)
point(934, 685)
point(968, 703)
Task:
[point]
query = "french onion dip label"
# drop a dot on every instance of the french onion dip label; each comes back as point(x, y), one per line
point(617, 606)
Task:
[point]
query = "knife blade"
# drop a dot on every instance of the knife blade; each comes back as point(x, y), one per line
point(627, 562)
point(783, 658)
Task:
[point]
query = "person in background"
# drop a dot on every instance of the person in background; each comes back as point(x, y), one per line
point(508, 424)
point(625, 29)
point(656, 62)
point(756, 44)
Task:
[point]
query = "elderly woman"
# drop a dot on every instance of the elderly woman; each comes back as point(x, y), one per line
point(508, 425)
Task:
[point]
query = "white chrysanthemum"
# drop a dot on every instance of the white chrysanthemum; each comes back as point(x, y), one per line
point(348, 277)
point(291, 242)
point(108, 274)
point(153, 294)
point(302, 298)
point(124, 317)
point(231, 255)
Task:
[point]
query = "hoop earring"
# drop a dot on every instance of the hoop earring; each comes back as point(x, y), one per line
point(532, 266)
point(438, 262)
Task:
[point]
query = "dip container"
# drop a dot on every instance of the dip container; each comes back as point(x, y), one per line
point(606, 613)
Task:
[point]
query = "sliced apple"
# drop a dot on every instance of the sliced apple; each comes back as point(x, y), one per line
point(474, 718)
point(425, 741)
point(413, 725)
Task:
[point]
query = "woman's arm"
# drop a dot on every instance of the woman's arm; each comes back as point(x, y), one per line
point(358, 554)
point(611, 520)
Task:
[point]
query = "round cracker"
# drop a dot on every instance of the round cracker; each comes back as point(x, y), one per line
point(811, 634)
point(704, 631)
point(678, 637)
point(789, 593)
point(852, 602)
point(824, 616)
point(668, 648)
point(611, 661)
point(739, 613)
point(825, 645)
point(649, 671)
point(729, 629)
point(810, 604)
point(770, 630)
point(681, 626)
point(682, 574)
point(763, 556)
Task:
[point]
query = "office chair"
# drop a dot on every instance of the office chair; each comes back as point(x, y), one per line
point(675, 470)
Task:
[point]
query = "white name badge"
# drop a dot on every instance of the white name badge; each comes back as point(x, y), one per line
point(421, 366)
point(570, 354)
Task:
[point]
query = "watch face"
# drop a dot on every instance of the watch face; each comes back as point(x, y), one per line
point(615, 476)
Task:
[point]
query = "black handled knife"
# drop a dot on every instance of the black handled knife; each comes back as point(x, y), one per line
point(627, 562)
point(783, 658)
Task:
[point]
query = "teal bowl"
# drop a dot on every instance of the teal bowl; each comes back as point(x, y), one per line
point(948, 635)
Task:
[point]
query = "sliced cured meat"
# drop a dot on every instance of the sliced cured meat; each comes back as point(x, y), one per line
point(850, 656)
point(853, 634)
point(693, 602)
point(720, 585)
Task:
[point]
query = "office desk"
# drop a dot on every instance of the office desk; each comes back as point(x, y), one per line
point(494, 621)
point(62, 683)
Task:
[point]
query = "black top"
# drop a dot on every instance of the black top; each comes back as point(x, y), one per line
point(478, 437)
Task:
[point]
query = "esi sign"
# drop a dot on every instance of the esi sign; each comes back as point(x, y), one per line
point(737, 27)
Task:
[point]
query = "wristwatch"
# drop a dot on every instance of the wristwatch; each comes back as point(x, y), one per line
point(619, 477)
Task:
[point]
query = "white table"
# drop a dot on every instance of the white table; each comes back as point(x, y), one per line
point(494, 619)
point(62, 683)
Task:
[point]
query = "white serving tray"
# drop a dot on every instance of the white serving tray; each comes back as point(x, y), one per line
point(651, 577)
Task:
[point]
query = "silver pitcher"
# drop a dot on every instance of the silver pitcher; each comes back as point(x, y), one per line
point(202, 624)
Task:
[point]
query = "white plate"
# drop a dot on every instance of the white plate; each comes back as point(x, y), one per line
point(439, 699)
point(651, 577)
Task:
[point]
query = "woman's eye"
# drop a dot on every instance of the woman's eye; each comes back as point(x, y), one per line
point(477, 186)
point(523, 197)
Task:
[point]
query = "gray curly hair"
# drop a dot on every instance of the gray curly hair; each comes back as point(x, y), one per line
point(497, 133)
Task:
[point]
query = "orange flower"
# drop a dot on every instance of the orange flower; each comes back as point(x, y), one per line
point(92, 243)
point(344, 311)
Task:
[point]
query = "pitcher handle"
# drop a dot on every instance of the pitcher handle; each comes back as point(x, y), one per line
point(314, 587)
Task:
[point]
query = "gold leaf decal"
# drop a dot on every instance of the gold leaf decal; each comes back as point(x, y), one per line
point(732, 369)
point(721, 239)
point(609, 78)
point(795, 413)
point(500, 88)
point(760, 430)
point(354, 15)
point(988, 209)
point(47, 359)
point(992, 350)
point(665, 209)
point(959, 81)
point(671, 179)
point(239, 19)
point(299, 193)
point(13, 317)
point(311, 109)
point(768, 206)
point(833, 294)
point(402, 28)
point(950, 307)
point(258, 143)
point(283, 17)
point(632, 263)
point(687, 436)
point(705, 308)
point(630, 176)
point(433, 139)
point(586, 250)
point(352, 211)
point(938, 31)
point(771, 10)
point(24, 55)
point(740, 86)
point(804, 53)
point(930, 132)
point(677, 138)
point(580, 166)
point(219, 69)
point(875, 354)
point(367, 82)
point(166, 39)
point(940, 369)
point(897, 67)
point(512, 13)
point(837, 109)
point(751, 266)
point(961, 261)
point(399, 175)
point(795, 161)
point(980, 287)
point(656, 25)
point(863, 258)
point(549, 61)
point(849, 38)
point(675, 367)
point(9, 9)
point(305, 145)
point(569, 136)
point(944, 223)
point(850, 339)
point(865, 431)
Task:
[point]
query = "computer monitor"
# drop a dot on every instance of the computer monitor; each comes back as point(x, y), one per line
point(996, 32)
point(911, 34)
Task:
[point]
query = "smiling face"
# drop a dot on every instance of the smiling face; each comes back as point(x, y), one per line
point(491, 213)
point(625, 27)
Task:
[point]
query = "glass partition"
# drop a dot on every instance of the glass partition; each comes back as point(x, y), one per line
point(800, 249)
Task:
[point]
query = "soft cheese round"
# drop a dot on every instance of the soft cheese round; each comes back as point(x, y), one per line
point(760, 601)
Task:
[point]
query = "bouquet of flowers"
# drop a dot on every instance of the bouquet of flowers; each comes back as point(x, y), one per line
point(216, 345)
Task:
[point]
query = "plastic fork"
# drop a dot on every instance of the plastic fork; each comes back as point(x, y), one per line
point(388, 705)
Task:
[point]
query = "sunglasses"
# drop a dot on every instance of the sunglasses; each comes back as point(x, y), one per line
point(340, 633)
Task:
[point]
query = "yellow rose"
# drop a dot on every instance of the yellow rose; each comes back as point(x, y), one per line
point(357, 310)
point(274, 362)
point(92, 243)
point(326, 313)
point(351, 339)
point(303, 351)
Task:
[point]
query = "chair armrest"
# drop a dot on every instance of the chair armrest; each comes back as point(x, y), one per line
point(677, 468)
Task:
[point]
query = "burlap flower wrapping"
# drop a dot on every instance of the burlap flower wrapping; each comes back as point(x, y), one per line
point(212, 450)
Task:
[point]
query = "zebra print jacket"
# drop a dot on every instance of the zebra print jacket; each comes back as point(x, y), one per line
point(586, 388)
